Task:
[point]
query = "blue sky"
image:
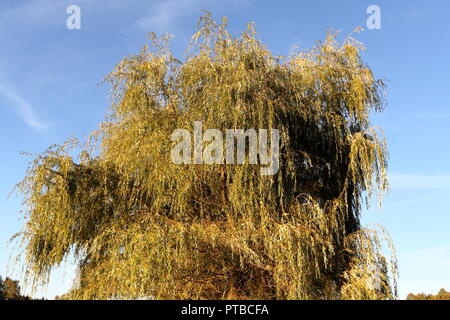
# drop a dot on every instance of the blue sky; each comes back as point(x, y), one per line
point(49, 90)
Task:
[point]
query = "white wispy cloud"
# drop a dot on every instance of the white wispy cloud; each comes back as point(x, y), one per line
point(23, 108)
point(417, 200)
point(419, 182)
point(163, 14)
point(436, 115)
point(34, 11)
point(430, 187)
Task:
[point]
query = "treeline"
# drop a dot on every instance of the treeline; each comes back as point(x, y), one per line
point(441, 295)
point(10, 290)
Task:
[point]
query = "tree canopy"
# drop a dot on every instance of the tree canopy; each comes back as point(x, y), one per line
point(10, 290)
point(140, 225)
point(441, 295)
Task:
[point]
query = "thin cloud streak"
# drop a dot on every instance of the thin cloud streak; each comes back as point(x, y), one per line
point(419, 182)
point(23, 107)
point(431, 186)
point(163, 14)
point(415, 201)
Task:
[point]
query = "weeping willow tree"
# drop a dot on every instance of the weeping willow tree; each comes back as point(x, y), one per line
point(140, 225)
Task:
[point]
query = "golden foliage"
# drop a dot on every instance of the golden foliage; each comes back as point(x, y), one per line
point(140, 225)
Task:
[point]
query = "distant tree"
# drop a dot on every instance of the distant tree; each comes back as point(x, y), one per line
point(441, 295)
point(140, 225)
point(2, 289)
point(10, 290)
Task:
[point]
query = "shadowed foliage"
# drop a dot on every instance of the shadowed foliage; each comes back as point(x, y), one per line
point(141, 226)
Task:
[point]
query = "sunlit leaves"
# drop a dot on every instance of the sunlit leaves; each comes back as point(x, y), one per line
point(141, 225)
